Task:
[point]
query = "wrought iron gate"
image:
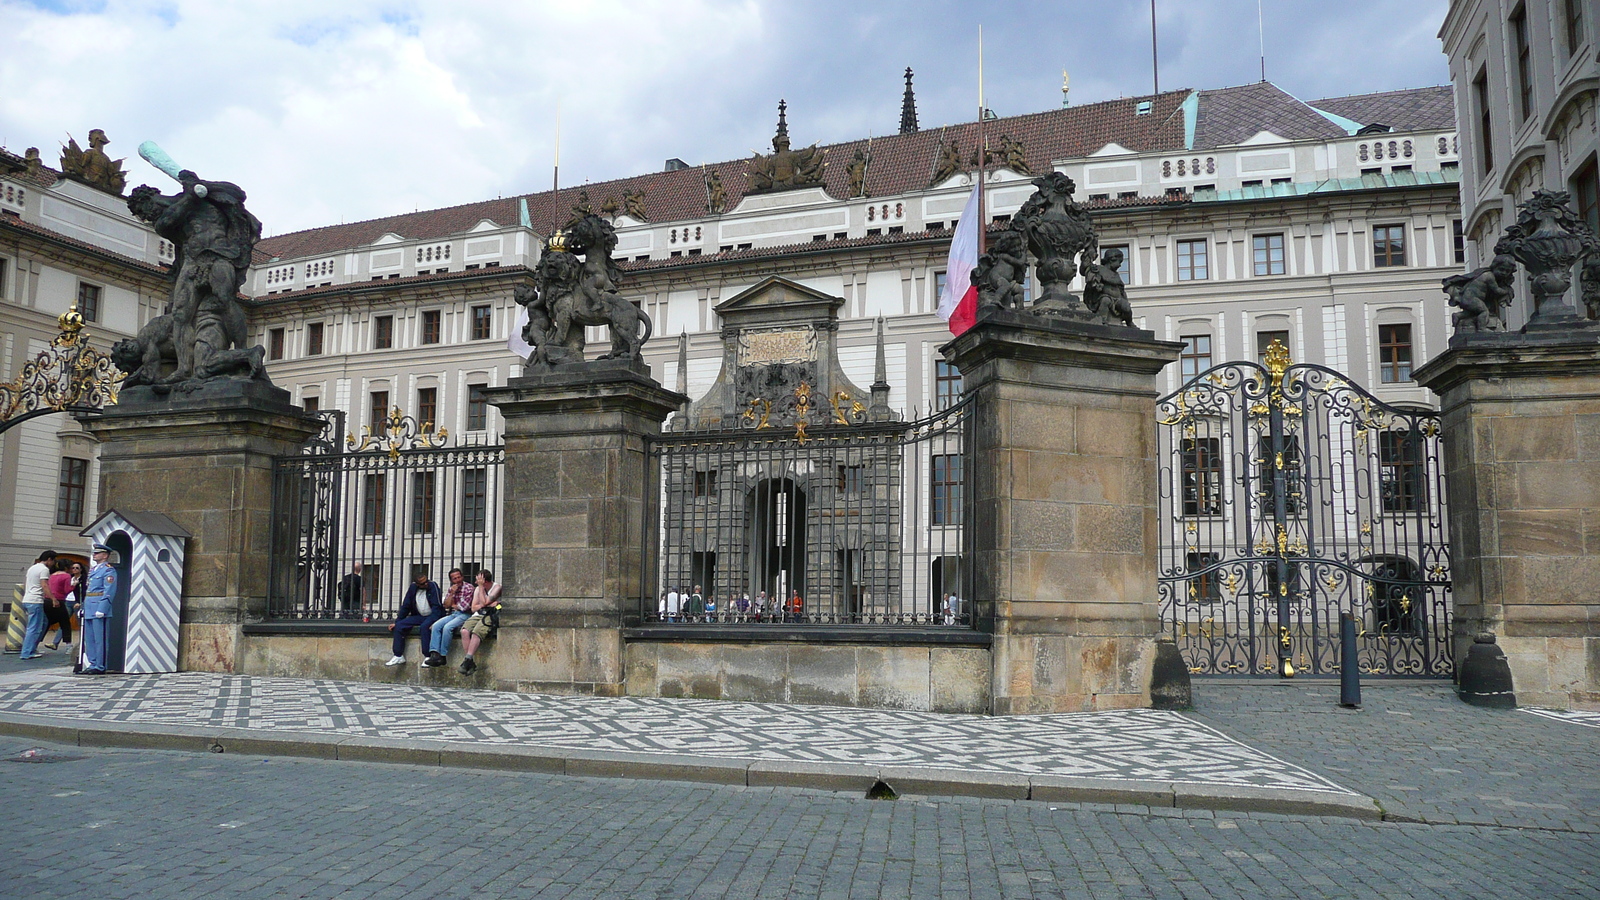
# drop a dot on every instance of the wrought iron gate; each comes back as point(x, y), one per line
point(1288, 496)
point(396, 501)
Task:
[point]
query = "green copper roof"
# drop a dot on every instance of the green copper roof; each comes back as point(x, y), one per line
point(1332, 185)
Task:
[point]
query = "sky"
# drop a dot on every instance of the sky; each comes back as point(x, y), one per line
point(326, 112)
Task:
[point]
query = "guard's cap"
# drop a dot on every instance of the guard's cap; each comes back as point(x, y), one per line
point(100, 548)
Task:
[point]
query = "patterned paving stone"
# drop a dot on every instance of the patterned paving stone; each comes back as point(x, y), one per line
point(1128, 744)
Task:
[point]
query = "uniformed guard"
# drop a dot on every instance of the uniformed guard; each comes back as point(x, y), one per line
point(97, 611)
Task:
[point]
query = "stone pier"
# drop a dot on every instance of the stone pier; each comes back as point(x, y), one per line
point(1521, 418)
point(576, 500)
point(205, 460)
point(1064, 482)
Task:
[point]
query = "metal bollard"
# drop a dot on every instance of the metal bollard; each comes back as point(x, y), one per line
point(1349, 671)
point(16, 621)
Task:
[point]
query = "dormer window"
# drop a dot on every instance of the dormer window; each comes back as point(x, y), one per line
point(1143, 109)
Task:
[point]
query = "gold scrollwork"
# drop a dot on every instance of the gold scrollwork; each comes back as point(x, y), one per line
point(750, 414)
point(843, 415)
point(69, 374)
point(397, 433)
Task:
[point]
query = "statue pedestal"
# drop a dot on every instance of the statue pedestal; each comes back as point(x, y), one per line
point(577, 495)
point(1521, 418)
point(1064, 478)
point(205, 460)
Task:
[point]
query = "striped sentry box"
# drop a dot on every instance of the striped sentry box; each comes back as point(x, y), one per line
point(155, 595)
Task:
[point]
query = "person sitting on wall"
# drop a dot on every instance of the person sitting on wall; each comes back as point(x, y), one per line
point(484, 619)
point(457, 606)
point(420, 609)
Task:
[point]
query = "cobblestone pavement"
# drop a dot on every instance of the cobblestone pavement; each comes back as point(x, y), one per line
point(1420, 752)
point(1136, 744)
point(116, 824)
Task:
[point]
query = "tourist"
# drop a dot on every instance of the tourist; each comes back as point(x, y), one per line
point(35, 589)
point(674, 605)
point(57, 606)
point(694, 608)
point(350, 596)
point(97, 610)
point(796, 607)
point(741, 607)
point(457, 606)
point(711, 608)
point(951, 608)
point(420, 609)
point(480, 624)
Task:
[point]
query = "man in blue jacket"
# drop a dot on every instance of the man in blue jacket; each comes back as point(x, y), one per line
point(419, 610)
point(98, 596)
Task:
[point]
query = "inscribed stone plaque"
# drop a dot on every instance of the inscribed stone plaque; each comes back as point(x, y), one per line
point(777, 345)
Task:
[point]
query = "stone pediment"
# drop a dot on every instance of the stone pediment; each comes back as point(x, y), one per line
point(777, 300)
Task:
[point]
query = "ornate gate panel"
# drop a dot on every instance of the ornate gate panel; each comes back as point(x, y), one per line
point(1289, 496)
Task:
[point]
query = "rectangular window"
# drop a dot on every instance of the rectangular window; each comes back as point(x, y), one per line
point(374, 488)
point(480, 323)
point(475, 500)
point(1196, 357)
point(430, 326)
point(477, 408)
point(1459, 239)
point(850, 479)
point(705, 483)
point(946, 384)
point(71, 488)
point(1519, 45)
point(89, 302)
point(311, 404)
point(2, 279)
point(1201, 462)
point(938, 288)
point(382, 332)
point(1388, 245)
point(427, 407)
point(1204, 587)
point(377, 409)
point(423, 485)
point(275, 343)
point(1264, 340)
point(1192, 260)
point(1400, 471)
point(314, 339)
point(1573, 22)
point(1586, 194)
point(1480, 93)
point(1394, 353)
point(947, 483)
point(1268, 251)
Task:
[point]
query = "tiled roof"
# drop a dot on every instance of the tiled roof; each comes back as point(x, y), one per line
point(1233, 115)
point(16, 167)
point(19, 223)
point(1416, 109)
point(900, 163)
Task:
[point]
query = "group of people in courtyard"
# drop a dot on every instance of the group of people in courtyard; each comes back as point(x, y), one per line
point(679, 605)
point(55, 590)
point(470, 608)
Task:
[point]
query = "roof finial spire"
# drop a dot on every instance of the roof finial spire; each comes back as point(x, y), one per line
point(683, 362)
point(783, 123)
point(908, 108)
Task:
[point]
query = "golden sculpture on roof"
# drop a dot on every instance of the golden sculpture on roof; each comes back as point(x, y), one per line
point(92, 166)
point(785, 169)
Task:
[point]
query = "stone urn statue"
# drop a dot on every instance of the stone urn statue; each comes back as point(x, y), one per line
point(1548, 240)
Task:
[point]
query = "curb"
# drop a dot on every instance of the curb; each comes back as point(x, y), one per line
point(854, 778)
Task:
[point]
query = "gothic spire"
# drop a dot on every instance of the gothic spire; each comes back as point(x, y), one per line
point(783, 123)
point(908, 107)
point(683, 362)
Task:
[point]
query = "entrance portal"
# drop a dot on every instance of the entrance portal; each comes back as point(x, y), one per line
point(776, 525)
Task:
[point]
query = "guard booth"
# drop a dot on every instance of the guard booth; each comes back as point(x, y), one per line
point(147, 552)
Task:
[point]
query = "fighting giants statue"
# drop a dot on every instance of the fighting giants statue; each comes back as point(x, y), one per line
point(204, 337)
point(1482, 295)
point(570, 293)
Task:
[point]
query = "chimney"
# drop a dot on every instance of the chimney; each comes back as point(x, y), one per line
point(675, 164)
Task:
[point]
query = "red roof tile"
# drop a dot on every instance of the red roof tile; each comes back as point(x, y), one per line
point(1233, 115)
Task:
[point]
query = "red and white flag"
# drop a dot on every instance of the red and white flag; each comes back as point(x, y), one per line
point(958, 302)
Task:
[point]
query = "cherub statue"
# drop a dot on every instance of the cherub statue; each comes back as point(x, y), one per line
point(1001, 271)
point(1104, 291)
point(1481, 295)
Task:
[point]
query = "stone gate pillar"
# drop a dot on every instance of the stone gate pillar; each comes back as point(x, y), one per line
point(205, 460)
point(1521, 419)
point(576, 497)
point(1064, 482)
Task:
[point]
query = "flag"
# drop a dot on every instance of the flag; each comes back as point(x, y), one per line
point(514, 341)
point(958, 302)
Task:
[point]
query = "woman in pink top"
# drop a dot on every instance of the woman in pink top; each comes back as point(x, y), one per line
point(55, 605)
point(485, 596)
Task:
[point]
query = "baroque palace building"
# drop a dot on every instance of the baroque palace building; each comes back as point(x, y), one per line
point(1245, 214)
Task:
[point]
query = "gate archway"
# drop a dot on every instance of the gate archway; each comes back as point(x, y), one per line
point(1289, 495)
point(70, 375)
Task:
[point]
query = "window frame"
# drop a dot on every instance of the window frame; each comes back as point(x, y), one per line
point(88, 302)
point(430, 327)
point(316, 338)
point(482, 314)
point(946, 483)
point(948, 384)
point(1480, 91)
point(276, 343)
point(374, 502)
point(424, 501)
point(1184, 356)
point(378, 414)
point(1270, 334)
point(1394, 258)
point(1391, 367)
point(1522, 60)
point(71, 495)
point(1186, 246)
point(383, 332)
point(477, 408)
point(1262, 244)
point(427, 407)
point(1201, 496)
point(475, 500)
point(1400, 459)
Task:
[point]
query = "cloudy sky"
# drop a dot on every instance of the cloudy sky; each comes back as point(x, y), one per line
point(352, 109)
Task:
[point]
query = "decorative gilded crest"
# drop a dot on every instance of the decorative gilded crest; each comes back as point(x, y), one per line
point(397, 433)
point(70, 374)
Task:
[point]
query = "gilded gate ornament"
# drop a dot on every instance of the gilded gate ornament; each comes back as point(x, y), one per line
point(70, 374)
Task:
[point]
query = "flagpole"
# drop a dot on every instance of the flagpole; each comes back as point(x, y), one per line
point(555, 176)
point(983, 150)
